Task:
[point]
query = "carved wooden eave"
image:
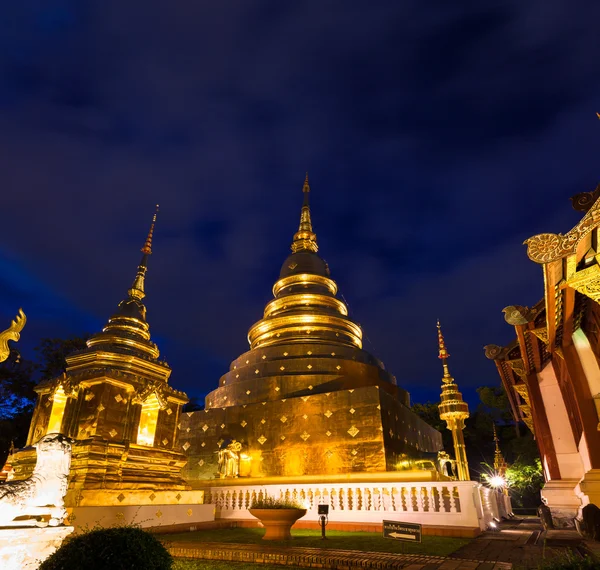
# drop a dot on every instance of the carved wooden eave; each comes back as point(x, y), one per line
point(570, 264)
point(541, 334)
point(511, 370)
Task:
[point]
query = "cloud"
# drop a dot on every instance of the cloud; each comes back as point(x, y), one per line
point(437, 139)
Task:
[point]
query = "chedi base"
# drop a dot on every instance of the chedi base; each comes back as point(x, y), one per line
point(26, 548)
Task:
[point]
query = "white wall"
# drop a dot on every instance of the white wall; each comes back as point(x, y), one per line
point(567, 454)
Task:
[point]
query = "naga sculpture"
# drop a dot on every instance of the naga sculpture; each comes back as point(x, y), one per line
point(39, 500)
point(11, 333)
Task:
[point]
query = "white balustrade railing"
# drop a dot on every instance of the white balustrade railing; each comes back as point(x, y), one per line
point(443, 503)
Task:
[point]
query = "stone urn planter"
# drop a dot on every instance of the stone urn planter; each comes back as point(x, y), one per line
point(277, 521)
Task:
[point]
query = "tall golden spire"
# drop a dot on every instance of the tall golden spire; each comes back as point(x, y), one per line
point(500, 464)
point(305, 239)
point(443, 355)
point(137, 289)
point(453, 410)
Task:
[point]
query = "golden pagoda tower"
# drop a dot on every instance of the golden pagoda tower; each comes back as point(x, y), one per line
point(454, 411)
point(500, 465)
point(114, 400)
point(306, 398)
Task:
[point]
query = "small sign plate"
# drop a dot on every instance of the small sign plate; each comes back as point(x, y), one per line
point(408, 532)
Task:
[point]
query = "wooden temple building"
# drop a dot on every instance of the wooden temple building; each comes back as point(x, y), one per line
point(551, 371)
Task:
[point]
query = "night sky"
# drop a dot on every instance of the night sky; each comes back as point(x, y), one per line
point(437, 135)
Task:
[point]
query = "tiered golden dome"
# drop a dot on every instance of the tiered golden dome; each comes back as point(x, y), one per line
point(305, 308)
point(305, 342)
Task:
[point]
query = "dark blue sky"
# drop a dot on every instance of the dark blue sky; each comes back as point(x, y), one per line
point(438, 136)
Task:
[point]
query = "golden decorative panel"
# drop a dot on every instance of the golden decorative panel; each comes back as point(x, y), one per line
point(353, 431)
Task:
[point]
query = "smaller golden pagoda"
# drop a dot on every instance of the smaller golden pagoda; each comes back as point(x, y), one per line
point(115, 402)
point(453, 410)
point(500, 465)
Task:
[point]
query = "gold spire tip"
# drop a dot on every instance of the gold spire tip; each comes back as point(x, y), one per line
point(147, 249)
point(306, 191)
point(442, 345)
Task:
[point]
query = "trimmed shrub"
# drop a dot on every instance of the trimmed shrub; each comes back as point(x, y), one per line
point(119, 548)
point(272, 503)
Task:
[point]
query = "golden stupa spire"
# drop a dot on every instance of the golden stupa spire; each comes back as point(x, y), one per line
point(500, 465)
point(453, 410)
point(305, 239)
point(443, 355)
point(137, 289)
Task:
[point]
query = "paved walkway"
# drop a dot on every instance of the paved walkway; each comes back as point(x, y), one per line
point(523, 543)
point(324, 557)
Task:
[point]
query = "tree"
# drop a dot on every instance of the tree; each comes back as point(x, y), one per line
point(430, 413)
point(525, 481)
point(18, 378)
point(52, 353)
point(16, 402)
point(194, 405)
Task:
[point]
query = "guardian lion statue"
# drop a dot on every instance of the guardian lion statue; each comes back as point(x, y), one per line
point(39, 500)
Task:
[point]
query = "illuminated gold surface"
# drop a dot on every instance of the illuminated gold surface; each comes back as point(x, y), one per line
point(305, 238)
point(305, 308)
point(115, 392)
point(148, 421)
point(304, 280)
point(306, 400)
point(454, 411)
point(11, 333)
point(59, 402)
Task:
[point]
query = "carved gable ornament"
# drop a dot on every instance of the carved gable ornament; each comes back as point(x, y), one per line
point(545, 248)
point(587, 282)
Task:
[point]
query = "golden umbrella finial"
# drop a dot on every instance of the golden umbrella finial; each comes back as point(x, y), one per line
point(442, 345)
point(305, 238)
point(147, 249)
point(443, 354)
point(137, 289)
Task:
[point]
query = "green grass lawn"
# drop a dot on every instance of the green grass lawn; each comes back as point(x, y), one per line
point(365, 541)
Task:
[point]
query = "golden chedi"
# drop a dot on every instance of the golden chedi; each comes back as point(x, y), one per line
point(306, 399)
point(114, 400)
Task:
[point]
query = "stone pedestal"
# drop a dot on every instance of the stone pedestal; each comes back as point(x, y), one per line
point(26, 548)
point(562, 500)
point(588, 489)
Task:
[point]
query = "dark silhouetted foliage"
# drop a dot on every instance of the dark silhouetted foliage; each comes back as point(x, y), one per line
point(119, 548)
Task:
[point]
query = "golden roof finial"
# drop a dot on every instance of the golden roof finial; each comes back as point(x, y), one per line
point(443, 354)
point(305, 238)
point(147, 249)
point(137, 289)
point(500, 464)
point(306, 191)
